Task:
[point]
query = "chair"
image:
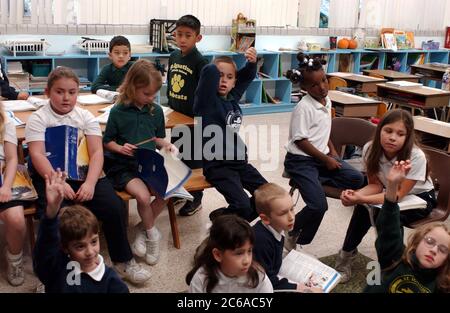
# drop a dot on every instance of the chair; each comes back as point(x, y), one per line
point(439, 163)
point(344, 131)
point(335, 82)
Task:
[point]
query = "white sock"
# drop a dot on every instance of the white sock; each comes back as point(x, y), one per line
point(153, 233)
point(13, 257)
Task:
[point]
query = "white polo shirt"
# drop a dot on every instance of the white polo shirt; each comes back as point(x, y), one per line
point(310, 120)
point(46, 117)
point(229, 284)
point(418, 170)
point(9, 135)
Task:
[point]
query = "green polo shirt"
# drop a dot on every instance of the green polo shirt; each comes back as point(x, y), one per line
point(110, 77)
point(129, 124)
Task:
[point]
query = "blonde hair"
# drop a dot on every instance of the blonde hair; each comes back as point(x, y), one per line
point(2, 122)
point(443, 277)
point(265, 195)
point(141, 74)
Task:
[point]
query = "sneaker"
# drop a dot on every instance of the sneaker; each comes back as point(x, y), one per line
point(179, 202)
point(290, 240)
point(139, 246)
point(40, 287)
point(132, 272)
point(216, 213)
point(152, 254)
point(343, 264)
point(190, 208)
point(15, 273)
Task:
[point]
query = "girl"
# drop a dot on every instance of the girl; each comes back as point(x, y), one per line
point(423, 266)
point(11, 212)
point(394, 140)
point(96, 192)
point(135, 119)
point(311, 159)
point(225, 263)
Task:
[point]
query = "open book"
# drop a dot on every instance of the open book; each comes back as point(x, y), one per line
point(102, 96)
point(22, 188)
point(409, 202)
point(31, 104)
point(300, 267)
point(164, 173)
point(403, 84)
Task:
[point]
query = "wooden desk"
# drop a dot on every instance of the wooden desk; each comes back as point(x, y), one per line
point(419, 98)
point(391, 75)
point(349, 105)
point(428, 71)
point(362, 83)
point(431, 126)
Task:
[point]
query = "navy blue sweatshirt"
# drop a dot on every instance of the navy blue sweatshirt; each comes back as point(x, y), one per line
point(268, 252)
point(224, 113)
point(50, 262)
point(6, 90)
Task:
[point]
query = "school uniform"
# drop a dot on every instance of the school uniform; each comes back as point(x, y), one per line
point(105, 204)
point(360, 221)
point(226, 165)
point(312, 121)
point(129, 124)
point(53, 268)
point(6, 90)
point(110, 77)
point(229, 284)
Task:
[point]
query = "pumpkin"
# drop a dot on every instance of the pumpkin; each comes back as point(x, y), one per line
point(352, 44)
point(343, 43)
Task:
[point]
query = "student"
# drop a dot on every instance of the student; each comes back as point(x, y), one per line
point(276, 210)
point(96, 192)
point(226, 263)
point(311, 159)
point(112, 75)
point(11, 211)
point(133, 119)
point(226, 165)
point(394, 140)
point(183, 75)
point(423, 266)
point(8, 92)
point(77, 240)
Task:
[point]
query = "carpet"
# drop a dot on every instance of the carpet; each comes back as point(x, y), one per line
point(359, 272)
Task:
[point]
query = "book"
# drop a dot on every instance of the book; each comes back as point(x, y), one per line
point(245, 42)
point(403, 84)
point(102, 96)
point(66, 149)
point(17, 121)
point(389, 41)
point(401, 40)
point(164, 172)
point(300, 267)
point(22, 187)
point(409, 202)
point(31, 104)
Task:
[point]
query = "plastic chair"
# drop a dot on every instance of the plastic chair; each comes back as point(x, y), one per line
point(439, 163)
point(335, 82)
point(344, 131)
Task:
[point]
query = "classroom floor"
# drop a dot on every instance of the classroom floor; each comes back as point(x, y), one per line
point(169, 274)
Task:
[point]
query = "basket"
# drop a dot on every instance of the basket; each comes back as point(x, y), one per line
point(159, 30)
point(93, 45)
point(26, 46)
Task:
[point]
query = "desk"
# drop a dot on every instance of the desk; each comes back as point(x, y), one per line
point(430, 126)
point(428, 71)
point(362, 83)
point(391, 75)
point(349, 105)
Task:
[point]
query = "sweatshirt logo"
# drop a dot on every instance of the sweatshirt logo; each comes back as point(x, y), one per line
point(407, 284)
point(177, 83)
point(234, 119)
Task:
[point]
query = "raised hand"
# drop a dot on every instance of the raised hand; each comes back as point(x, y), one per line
point(54, 191)
point(250, 55)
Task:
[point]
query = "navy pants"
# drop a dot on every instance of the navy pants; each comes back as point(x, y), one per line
point(310, 174)
point(230, 178)
point(106, 206)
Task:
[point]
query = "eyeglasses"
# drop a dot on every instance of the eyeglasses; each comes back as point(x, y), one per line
point(431, 243)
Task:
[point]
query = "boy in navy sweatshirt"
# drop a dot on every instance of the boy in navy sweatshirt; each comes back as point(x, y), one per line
point(225, 161)
point(66, 255)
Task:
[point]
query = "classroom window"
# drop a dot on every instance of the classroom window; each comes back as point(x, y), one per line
point(27, 8)
point(324, 13)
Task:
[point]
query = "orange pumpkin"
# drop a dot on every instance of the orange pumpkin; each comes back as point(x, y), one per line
point(343, 43)
point(352, 44)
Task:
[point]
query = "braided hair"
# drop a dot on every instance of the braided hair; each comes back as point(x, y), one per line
point(306, 64)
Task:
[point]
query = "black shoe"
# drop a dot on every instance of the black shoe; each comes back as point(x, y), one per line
point(216, 213)
point(190, 208)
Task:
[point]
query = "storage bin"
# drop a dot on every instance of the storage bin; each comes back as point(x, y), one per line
point(40, 69)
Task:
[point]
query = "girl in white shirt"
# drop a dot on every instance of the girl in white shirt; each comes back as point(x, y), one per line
point(225, 264)
point(11, 211)
point(394, 140)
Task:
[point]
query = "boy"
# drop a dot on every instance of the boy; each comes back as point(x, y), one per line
point(226, 165)
point(183, 75)
point(8, 92)
point(276, 210)
point(68, 261)
point(112, 75)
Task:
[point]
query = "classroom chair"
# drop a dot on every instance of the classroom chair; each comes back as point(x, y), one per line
point(344, 131)
point(335, 82)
